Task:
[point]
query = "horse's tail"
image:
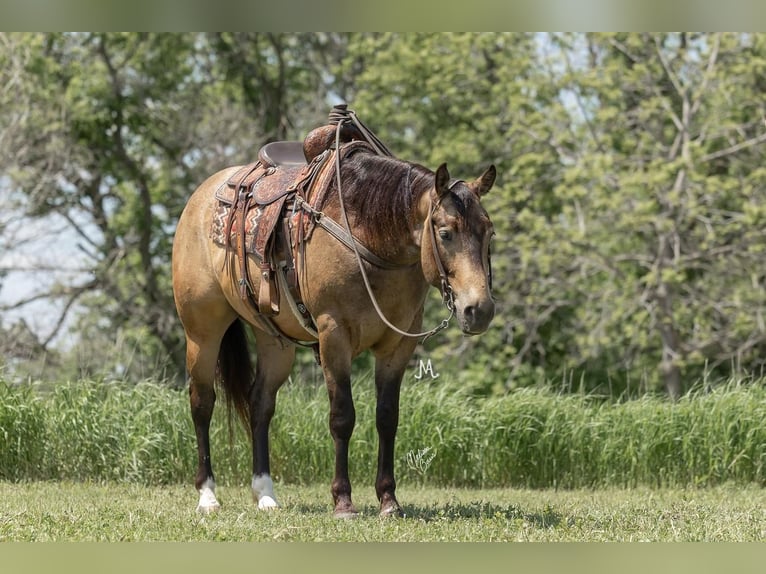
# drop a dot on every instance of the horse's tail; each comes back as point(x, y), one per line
point(235, 372)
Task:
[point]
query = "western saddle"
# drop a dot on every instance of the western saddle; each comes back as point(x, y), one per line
point(269, 208)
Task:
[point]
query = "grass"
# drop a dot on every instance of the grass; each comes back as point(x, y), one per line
point(143, 434)
point(93, 461)
point(65, 511)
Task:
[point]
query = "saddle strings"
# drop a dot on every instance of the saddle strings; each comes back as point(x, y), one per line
point(340, 114)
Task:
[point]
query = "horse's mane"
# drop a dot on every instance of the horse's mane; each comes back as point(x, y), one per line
point(381, 193)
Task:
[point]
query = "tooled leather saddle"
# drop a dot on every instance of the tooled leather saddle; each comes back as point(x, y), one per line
point(257, 213)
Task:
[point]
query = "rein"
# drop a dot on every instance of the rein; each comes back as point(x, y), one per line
point(446, 289)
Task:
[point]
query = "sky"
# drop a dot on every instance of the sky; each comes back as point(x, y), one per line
point(40, 253)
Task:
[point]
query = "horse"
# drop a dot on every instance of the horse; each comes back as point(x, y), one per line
point(409, 229)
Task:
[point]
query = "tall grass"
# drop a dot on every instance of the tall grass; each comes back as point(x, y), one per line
point(530, 438)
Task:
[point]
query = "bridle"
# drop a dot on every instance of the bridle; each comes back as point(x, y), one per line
point(446, 289)
point(448, 297)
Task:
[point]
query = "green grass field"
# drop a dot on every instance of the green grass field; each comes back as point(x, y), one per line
point(56, 511)
point(110, 462)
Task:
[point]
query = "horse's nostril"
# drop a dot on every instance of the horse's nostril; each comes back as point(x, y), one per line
point(476, 318)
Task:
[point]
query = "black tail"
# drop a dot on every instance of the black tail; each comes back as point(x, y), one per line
point(235, 372)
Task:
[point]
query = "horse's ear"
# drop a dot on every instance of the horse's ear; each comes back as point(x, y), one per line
point(486, 180)
point(441, 180)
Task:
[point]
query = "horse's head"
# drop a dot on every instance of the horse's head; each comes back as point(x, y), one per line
point(455, 247)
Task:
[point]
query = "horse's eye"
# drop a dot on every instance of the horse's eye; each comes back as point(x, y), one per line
point(445, 234)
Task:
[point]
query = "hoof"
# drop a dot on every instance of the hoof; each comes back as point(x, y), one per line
point(208, 503)
point(267, 503)
point(263, 492)
point(345, 510)
point(345, 514)
point(206, 509)
point(391, 511)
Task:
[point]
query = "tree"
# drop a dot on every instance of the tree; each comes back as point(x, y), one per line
point(669, 190)
point(110, 133)
point(97, 150)
point(277, 74)
point(629, 201)
point(629, 207)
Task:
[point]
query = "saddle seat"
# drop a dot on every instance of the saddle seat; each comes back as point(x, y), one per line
point(282, 153)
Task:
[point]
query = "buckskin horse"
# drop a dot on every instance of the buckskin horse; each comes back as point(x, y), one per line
point(332, 243)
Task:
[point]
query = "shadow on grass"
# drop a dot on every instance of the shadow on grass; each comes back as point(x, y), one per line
point(482, 511)
point(443, 511)
point(450, 511)
point(313, 509)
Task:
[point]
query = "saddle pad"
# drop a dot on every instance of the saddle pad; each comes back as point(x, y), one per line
point(260, 224)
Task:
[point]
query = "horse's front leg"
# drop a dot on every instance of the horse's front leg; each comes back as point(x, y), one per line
point(335, 354)
point(389, 370)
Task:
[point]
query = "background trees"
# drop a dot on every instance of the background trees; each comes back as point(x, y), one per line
point(629, 207)
point(671, 194)
point(111, 137)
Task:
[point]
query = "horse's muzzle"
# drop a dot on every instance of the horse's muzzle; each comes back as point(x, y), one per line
point(475, 319)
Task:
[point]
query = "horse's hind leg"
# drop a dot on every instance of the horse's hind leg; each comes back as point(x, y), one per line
point(273, 366)
point(205, 327)
point(201, 359)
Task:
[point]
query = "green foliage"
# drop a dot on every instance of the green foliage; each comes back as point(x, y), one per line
point(22, 431)
point(530, 438)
